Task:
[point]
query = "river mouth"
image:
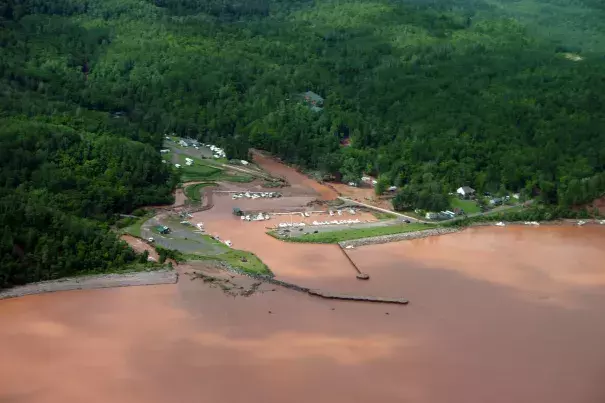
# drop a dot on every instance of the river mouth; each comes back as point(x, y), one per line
point(496, 315)
point(472, 333)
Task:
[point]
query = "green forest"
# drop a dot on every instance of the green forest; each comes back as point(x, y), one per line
point(429, 94)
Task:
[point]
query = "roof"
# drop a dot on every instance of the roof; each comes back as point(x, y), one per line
point(467, 189)
point(312, 96)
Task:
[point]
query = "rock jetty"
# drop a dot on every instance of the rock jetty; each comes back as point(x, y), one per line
point(398, 237)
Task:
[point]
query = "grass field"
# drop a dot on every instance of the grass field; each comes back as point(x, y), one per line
point(469, 206)
point(357, 233)
point(193, 192)
point(202, 171)
point(134, 229)
point(383, 216)
point(238, 259)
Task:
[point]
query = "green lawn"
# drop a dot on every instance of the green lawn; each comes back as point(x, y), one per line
point(193, 192)
point(204, 171)
point(239, 259)
point(469, 206)
point(357, 233)
point(134, 229)
point(383, 216)
point(198, 171)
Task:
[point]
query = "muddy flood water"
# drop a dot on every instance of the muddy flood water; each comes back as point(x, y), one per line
point(495, 315)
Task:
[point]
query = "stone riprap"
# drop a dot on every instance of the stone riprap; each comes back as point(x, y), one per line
point(398, 237)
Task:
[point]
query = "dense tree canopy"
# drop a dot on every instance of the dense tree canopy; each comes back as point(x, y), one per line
point(57, 186)
point(430, 95)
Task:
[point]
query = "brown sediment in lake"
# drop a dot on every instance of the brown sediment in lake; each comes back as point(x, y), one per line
point(295, 179)
point(497, 315)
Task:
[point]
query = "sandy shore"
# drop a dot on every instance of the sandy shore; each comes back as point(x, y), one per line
point(93, 282)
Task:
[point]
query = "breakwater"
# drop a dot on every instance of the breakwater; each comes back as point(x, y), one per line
point(319, 293)
point(398, 237)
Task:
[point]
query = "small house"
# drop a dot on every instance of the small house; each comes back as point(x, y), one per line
point(313, 101)
point(465, 192)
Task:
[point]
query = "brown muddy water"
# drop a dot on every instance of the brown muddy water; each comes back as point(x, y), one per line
point(496, 315)
point(295, 179)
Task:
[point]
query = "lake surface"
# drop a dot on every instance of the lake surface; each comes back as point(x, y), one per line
point(496, 315)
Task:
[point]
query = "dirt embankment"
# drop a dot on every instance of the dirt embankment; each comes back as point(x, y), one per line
point(598, 204)
point(363, 194)
point(140, 246)
point(93, 282)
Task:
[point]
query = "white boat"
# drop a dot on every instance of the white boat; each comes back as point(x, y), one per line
point(581, 222)
point(500, 224)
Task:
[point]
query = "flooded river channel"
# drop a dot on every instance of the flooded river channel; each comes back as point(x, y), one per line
point(496, 315)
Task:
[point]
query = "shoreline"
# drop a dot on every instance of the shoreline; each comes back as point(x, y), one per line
point(93, 282)
point(404, 236)
point(567, 222)
point(306, 290)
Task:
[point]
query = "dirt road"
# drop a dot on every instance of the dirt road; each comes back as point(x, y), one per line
point(412, 219)
point(140, 246)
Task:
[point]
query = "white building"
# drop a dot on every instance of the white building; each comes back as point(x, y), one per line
point(465, 191)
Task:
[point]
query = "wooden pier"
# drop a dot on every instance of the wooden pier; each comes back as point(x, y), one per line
point(360, 275)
